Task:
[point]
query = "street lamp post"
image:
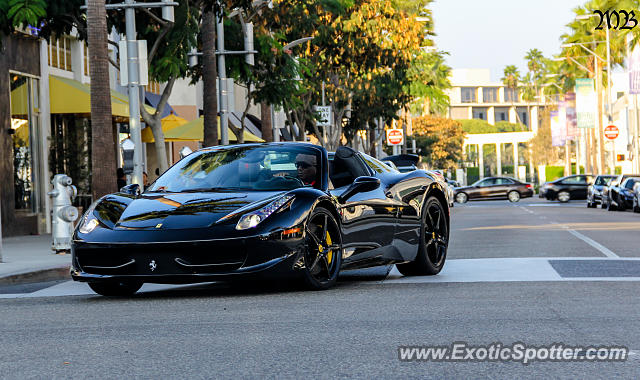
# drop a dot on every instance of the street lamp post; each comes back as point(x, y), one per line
point(609, 99)
point(598, 78)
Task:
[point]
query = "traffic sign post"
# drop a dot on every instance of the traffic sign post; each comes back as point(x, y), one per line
point(395, 137)
point(611, 132)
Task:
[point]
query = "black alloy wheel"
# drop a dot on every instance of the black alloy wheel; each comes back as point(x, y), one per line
point(116, 288)
point(636, 206)
point(434, 241)
point(323, 255)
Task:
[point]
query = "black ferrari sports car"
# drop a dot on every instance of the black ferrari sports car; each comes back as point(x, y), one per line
point(268, 210)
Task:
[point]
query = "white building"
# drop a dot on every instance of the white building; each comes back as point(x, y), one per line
point(474, 96)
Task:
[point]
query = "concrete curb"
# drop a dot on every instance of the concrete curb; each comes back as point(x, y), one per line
point(41, 275)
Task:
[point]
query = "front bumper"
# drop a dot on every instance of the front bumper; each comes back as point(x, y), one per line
point(185, 262)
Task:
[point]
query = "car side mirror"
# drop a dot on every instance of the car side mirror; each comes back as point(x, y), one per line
point(133, 189)
point(360, 185)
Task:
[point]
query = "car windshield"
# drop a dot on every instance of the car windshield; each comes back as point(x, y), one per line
point(631, 182)
point(243, 168)
point(603, 181)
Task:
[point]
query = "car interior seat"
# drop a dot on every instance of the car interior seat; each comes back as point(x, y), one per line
point(345, 167)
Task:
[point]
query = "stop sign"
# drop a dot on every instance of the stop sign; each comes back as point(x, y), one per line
point(394, 136)
point(611, 132)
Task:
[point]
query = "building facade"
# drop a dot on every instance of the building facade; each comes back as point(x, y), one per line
point(474, 96)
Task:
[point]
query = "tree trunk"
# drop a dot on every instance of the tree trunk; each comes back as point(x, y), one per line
point(265, 118)
point(155, 122)
point(209, 75)
point(103, 161)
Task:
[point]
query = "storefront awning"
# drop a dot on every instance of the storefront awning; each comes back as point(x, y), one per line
point(194, 131)
point(68, 96)
point(168, 123)
point(154, 99)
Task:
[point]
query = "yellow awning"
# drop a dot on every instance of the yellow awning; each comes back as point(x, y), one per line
point(169, 122)
point(70, 96)
point(194, 131)
point(19, 101)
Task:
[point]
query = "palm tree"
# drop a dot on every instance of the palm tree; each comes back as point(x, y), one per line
point(103, 144)
point(511, 80)
point(584, 31)
point(209, 75)
point(536, 63)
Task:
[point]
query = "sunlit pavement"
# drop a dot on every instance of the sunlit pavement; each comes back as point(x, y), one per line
point(534, 271)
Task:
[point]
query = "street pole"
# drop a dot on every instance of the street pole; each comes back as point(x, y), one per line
point(609, 101)
point(134, 96)
point(224, 91)
point(324, 127)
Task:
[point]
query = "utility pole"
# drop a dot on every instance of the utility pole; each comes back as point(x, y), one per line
point(133, 69)
point(609, 101)
point(224, 91)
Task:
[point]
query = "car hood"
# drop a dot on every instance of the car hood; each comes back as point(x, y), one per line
point(174, 210)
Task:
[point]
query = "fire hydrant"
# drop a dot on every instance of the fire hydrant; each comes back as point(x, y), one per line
point(63, 213)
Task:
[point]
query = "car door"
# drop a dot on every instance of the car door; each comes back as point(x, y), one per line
point(405, 193)
point(580, 187)
point(501, 187)
point(368, 219)
point(483, 188)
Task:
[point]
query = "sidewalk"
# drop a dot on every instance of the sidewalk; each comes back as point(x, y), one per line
point(30, 259)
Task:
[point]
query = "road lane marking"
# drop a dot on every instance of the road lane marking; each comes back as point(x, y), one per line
point(604, 250)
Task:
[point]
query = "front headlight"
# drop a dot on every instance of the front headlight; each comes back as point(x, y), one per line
point(253, 218)
point(89, 222)
point(89, 226)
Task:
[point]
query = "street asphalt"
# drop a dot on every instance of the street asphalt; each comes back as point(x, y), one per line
point(535, 272)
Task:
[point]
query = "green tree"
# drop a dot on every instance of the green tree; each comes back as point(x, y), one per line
point(440, 141)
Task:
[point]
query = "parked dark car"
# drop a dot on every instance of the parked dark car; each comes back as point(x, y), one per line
point(494, 188)
point(273, 209)
point(566, 188)
point(636, 198)
point(404, 162)
point(594, 191)
point(619, 194)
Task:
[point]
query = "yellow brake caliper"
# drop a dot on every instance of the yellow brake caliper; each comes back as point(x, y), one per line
point(330, 254)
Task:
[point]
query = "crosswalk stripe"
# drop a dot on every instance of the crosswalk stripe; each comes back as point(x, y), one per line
point(526, 269)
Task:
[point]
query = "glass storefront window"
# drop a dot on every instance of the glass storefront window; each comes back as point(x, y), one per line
point(25, 101)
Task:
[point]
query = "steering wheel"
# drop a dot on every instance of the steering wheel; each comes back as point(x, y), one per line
point(286, 178)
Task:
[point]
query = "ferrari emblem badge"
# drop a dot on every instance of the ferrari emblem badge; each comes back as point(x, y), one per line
point(153, 265)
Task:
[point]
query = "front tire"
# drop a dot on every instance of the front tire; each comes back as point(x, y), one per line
point(116, 288)
point(610, 206)
point(434, 241)
point(564, 196)
point(513, 196)
point(323, 253)
point(636, 207)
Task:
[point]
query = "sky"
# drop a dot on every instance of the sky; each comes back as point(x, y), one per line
point(495, 33)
